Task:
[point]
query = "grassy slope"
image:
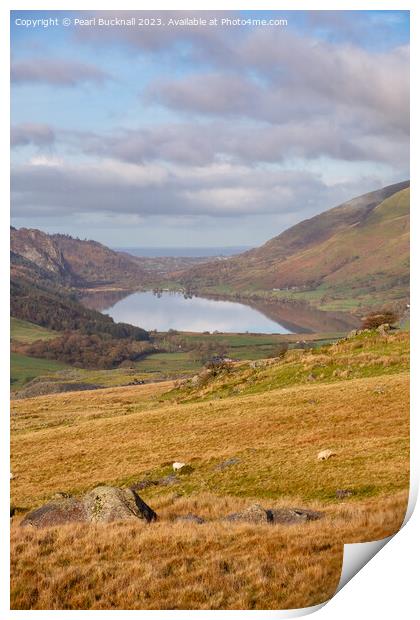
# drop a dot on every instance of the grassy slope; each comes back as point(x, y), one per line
point(24, 368)
point(24, 331)
point(72, 442)
point(362, 261)
point(155, 367)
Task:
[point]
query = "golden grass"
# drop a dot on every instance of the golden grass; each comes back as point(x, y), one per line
point(276, 435)
point(170, 565)
point(72, 442)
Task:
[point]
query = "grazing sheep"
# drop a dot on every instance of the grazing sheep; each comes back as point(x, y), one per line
point(178, 466)
point(325, 454)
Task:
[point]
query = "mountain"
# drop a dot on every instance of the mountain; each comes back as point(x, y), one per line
point(46, 279)
point(87, 264)
point(76, 262)
point(353, 255)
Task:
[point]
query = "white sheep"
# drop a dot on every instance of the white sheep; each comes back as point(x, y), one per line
point(325, 454)
point(178, 466)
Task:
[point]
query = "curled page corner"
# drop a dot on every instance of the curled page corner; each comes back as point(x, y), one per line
point(356, 556)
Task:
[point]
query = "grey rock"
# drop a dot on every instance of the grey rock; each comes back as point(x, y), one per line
point(290, 516)
point(57, 512)
point(383, 329)
point(283, 516)
point(343, 493)
point(103, 504)
point(170, 480)
point(191, 518)
point(144, 484)
point(254, 514)
point(106, 504)
point(228, 463)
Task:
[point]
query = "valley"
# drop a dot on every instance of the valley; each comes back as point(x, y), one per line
point(239, 369)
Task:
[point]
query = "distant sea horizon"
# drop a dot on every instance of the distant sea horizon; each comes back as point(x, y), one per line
point(154, 252)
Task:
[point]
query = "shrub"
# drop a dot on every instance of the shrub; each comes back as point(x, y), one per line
point(375, 319)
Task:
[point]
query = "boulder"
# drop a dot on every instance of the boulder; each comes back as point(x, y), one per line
point(324, 455)
point(343, 493)
point(290, 516)
point(383, 329)
point(106, 504)
point(281, 516)
point(191, 518)
point(101, 505)
point(177, 466)
point(254, 514)
point(228, 463)
point(57, 512)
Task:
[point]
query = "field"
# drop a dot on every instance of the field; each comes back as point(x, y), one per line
point(154, 367)
point(351, 398)
point(24, 368)
point(24, 331)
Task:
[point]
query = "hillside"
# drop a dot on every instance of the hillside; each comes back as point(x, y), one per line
point(251, 434)
point(77, 262)
point(89, 265)
point(356, 254)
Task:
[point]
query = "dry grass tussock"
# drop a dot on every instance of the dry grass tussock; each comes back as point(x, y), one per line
point(215, 565)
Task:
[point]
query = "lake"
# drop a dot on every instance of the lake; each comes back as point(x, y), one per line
point(196, 314)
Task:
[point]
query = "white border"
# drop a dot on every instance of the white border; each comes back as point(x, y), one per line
point(397, 565)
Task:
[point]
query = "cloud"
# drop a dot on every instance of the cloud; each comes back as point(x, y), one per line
point(220, 190)
point(38, 134)
point(217, 190)
point(56, 72)
point(201, 143)
point(278, 77)
point(215, 93)
point(230, 124)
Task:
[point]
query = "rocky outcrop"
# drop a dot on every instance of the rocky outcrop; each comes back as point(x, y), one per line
point(103, 504)
point(284, 516)
point(290, 516)
point(57, 512)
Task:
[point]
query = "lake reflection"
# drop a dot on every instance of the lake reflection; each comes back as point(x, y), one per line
point(196, 314)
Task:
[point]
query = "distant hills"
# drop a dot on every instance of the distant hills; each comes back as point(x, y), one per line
point(48, 273)
point(76, 262)
point(351, 258)
point(354, 255)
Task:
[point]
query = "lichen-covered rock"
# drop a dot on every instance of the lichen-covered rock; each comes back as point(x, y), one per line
point(57, 512)
point(101, 505)
point(282, 516)
point(290, 516)
point(106, 504)
point(254, 514)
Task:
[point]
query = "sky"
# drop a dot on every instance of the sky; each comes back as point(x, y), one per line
point(163, 133)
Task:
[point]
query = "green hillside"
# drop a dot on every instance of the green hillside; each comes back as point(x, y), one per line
point(353, 256)
point(24, 331)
